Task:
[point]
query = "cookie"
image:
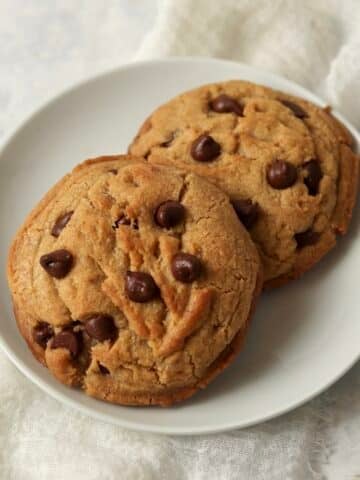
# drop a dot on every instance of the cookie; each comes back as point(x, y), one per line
point(134, 282)
point(287, 165)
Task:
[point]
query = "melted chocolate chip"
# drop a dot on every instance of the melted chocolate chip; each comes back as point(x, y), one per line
point(103, 369)
point(247, 211)
point(168, 141)
point(281, 175)
point(205, 149)
point(42, 333)
point(100, 326)
point(76, 324)
point(58, 263)
point(225, 104)
point(126, 221)
point(140, 287)
point(185, 267)
point(169, 214)
point(113, 171)
point(61, 223)
point(313, 176)
point(309, 237)
point(123, 220)
point(135, 224)
point(295, 108)
point(69, 340)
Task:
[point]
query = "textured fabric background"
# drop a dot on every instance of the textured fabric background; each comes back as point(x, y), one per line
point(46, 45)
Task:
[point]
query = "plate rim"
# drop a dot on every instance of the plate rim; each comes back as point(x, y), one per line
point(29, 373)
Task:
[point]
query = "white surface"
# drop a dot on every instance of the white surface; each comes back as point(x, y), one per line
point(45, 45)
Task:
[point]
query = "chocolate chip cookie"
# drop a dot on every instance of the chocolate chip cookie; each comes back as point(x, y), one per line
point(133, 281)
point(287, 165)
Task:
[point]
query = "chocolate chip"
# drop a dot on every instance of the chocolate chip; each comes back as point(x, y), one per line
point(61, 223)
point(225, 104)
point(169, 214)
point(140, 287)
point(309, 237)
point(281, 175)
point(103, 369)
point(100, 326)
point(313, 176)
point(295, 108)
point(69, 340)
point(205, 149)
point(185, 267)
point(247, 211)
point(113, 171)
point(42, 333)
point(58, 263)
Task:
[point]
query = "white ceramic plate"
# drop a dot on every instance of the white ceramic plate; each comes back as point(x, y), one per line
point(304, 336)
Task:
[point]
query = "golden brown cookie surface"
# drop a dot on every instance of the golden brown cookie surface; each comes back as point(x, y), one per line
point(286, 164)
point(133, 281)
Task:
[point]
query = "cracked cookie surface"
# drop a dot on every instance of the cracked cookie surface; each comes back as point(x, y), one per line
point(287, 165)
point(133, 281)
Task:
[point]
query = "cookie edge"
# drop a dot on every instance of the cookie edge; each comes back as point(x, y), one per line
point(339, 223)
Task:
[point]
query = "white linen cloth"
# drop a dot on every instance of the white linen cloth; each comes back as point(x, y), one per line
point(46, 45)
